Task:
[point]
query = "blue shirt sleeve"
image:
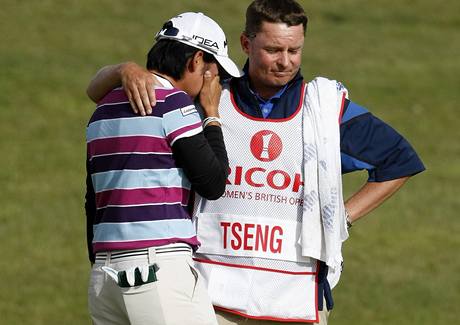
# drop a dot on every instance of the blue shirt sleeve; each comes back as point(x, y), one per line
point(371, 144)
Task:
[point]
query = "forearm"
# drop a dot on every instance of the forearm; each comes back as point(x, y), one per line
point(216, 141)
point(104, 81)
point(370, 196)
point(138, 84)
point(204, 160)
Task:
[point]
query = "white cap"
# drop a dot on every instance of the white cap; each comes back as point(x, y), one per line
point(200, 31)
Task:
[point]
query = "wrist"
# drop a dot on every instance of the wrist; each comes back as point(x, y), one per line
point(210, 111)
point(122, 67)
point(213, 124)
point(212, 120)
point(348, 219)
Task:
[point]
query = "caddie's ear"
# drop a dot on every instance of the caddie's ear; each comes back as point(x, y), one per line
point(245, 42)
point(195, 62)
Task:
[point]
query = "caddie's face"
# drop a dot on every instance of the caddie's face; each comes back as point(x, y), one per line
point(275, 55)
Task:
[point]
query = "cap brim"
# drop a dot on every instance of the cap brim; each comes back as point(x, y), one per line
point(229, 66)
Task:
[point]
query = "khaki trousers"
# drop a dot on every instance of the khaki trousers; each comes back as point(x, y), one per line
point(178, 297)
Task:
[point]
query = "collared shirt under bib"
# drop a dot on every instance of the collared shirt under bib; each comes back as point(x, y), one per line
point(250, 250)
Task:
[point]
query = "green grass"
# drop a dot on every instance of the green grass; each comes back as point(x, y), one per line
point(399, 58)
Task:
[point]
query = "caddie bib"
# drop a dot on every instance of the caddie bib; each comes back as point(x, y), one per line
point(250, 254)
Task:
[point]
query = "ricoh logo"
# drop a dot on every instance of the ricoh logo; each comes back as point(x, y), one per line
point(266, 145)
point(261, 177)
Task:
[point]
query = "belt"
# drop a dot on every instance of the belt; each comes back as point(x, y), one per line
point(165, 250)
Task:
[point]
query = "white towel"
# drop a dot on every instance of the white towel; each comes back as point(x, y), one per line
point(323, 220)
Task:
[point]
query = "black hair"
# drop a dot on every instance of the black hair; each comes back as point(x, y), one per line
point(170, 57)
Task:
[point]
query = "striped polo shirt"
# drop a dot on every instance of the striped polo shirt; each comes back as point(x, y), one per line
point(141, 195)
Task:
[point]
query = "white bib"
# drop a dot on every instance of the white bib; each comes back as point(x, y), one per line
point(250, 253)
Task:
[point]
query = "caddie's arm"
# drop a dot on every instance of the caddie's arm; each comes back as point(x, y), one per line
point(137, 82)
point(369, 143)
point(370, 196)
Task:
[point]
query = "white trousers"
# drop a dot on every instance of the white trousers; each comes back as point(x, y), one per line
point(178, 296)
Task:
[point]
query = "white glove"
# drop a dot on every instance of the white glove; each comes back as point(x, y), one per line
point(144, 269)
point(111, 272)
point(130, 274)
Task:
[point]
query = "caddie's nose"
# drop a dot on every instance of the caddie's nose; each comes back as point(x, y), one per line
point(283, 59)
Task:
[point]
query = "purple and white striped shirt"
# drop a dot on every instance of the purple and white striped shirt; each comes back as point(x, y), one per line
point(141, 196)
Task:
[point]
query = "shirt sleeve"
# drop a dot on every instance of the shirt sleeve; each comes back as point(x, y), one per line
point(371, 144)
point(181, 119)
point(204, 160)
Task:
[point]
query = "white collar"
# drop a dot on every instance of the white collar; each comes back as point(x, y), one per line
point(165, 83)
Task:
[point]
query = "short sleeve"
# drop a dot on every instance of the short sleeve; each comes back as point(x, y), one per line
point(181, 118)
point(369, 143)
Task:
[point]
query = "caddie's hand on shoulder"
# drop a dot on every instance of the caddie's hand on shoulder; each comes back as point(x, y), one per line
point(210, 94)
point(139, 87)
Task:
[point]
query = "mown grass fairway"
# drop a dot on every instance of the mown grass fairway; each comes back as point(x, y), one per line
point(399, 58)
